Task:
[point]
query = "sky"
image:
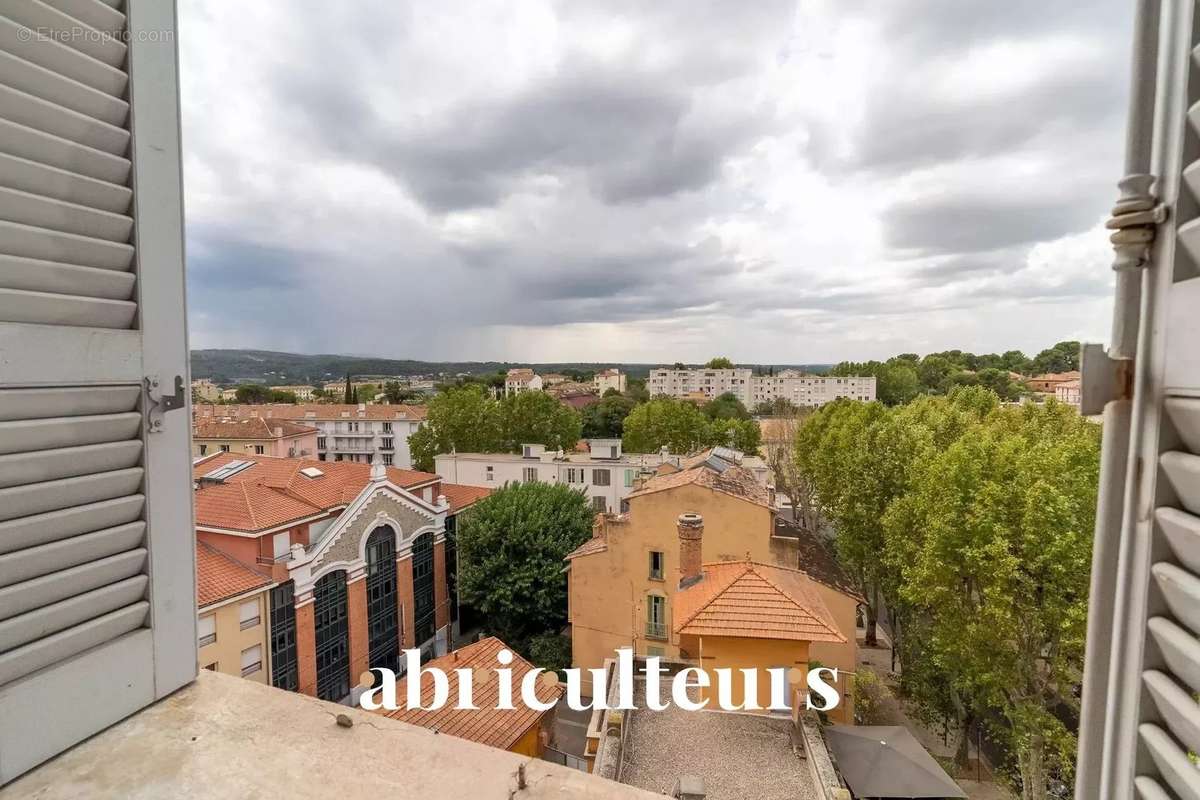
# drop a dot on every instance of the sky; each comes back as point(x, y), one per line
point(775, 182)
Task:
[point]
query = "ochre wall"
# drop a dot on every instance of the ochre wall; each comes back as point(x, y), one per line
point(608, 590)
point(738, 653)
point(226, 651)
point(843, 656)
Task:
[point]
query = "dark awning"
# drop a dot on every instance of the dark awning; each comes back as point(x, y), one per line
point(885, 761)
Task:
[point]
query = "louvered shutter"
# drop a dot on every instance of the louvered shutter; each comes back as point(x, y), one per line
point(97, 561)
point(1151, 717)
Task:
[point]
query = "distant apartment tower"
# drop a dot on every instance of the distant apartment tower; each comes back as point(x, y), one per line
point(608, 379)
point(751, 389)
point(521, 380)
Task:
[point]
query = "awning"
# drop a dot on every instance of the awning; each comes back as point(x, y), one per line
point(885, 761)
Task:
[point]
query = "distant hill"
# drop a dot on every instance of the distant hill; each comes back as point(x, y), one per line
point(265, 366)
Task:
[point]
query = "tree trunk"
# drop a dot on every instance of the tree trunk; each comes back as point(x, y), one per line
point(1033, 770)
point(872, 634)
point(962, 756)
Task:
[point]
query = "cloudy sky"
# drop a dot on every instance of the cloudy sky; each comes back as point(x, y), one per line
point(774, 181)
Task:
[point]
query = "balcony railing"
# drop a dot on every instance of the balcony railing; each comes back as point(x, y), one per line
point(656, 630)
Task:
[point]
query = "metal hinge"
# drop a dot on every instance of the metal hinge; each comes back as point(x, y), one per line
point(158, 403)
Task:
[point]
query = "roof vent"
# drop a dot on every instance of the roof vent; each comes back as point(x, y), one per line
point(311, 472)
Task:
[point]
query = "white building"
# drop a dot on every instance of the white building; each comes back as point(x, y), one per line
point(521, 380)
point(608, 379)
point(1068, 392)
point(303, 393)
point(605, 473)
point(751, 389)
point(366, 433)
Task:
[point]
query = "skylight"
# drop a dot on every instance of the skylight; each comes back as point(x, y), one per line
point(227, 470)
point(311, 472)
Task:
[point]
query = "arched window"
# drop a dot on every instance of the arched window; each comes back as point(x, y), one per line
point(332, 635)
point(383, 618)
point(423, 602)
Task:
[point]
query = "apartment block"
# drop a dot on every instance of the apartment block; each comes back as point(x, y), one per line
point(303, 393)
point(362, 433)
point(607, 379)
point(231, 620)
point(751, 389)
point(604, 473)
point(521, 380)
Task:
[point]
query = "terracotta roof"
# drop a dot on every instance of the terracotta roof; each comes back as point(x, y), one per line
point(753, 600)
point(734, 480)
point(597, 544)
point(247, 428)
point(320, 411)
point(520, 374)
point(220, 576)
point(486, 724)
point(460, 497)
point(273, 491)
point(1057, 376)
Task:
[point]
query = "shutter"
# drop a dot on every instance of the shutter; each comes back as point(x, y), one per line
point(97, 570)
point(1151, 716)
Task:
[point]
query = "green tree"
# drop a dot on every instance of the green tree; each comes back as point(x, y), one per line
point(551, 651)
point(725, 406)
point(720, 362)
point(606, 419)
point(665, 422)
point(511, 547)
point(280, 396)
point(350, 395)
point(1062, 357)
point(776, 407)
point(538, 418)
point(635, 390)
point(397, 394)
point(466, 419)
point(1005, 515)
point(740, 434)
point(253, 393)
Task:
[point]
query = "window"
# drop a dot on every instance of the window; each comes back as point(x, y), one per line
point(207, 629)
point(248, 615)
point(259, 450)
point(489, 473)
point(601, 477)
point(251, 660)
point(387, 427)
point(281, 545)
point(332, 637)
point(599, 503)
point(656, 565)
point(321, 443)
point(388, 458)
point(575, 475)
point(383, 617)
point(628, 478)
point(203, 449)
point(656, 617)
point(386, 443)
point(224, 448)
point(423, 599)
point(529, 475)
point(284, 672)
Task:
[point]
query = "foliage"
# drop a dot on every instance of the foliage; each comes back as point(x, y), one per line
point(537, 418)
point(550, 651)
point(635, 390)
point(740, 434)
point(606, 419)
point(394, 393)
point(350, 395)
point(511, 547)
point(469, 419)
point(665, 422)
point(776, 407)
point(895, 381)
point(869, 697)
point(725, 406)
point(257, 393)
point(972, 523)
point(1062, 357)
point(720, 362)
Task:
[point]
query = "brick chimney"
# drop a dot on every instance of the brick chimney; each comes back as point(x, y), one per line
point(691, 533)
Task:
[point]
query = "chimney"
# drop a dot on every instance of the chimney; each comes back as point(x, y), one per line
point(691, 533)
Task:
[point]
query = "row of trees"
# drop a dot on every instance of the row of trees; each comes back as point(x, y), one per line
point(469, 419)
point(903, 377)
point(971, 525)
point(682, 427)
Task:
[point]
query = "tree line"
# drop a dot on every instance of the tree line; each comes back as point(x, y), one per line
point(969, 526)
